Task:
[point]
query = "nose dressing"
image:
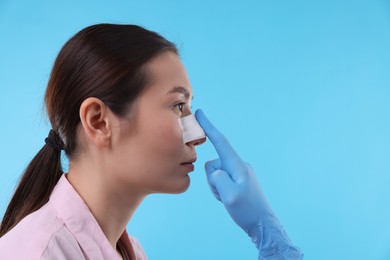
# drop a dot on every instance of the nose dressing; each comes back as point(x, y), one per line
point(191, 129)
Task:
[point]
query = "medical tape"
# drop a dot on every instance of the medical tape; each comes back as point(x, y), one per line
point(191, 129)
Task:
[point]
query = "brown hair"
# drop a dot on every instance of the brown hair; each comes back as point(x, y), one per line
point(106, 61)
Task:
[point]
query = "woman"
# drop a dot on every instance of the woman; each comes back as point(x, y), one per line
point(114, 97)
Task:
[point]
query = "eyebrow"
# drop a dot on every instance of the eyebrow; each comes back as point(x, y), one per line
point(181, 90)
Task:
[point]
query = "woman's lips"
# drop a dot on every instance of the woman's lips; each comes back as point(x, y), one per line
point(189, 166)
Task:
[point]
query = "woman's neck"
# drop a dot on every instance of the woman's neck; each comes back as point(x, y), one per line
point(110, 203)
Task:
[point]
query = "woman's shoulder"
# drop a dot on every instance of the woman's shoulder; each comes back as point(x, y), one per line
point(30, 237)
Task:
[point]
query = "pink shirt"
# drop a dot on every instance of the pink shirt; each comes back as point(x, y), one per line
point(63, 228)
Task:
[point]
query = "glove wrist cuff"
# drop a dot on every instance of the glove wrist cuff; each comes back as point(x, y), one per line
point(273, 242)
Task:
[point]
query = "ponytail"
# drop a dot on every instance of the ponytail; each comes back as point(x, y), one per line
point(34, 188)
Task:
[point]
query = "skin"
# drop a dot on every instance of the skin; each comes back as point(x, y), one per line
point(124, 159)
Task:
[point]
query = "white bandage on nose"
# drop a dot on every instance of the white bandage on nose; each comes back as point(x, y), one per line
point(191, 129)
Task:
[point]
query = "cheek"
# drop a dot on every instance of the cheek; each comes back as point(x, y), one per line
point(170, 133)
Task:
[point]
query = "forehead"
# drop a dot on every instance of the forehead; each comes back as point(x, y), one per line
point(167, 72)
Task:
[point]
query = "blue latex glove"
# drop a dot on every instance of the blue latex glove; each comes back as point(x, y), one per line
point(234, 183)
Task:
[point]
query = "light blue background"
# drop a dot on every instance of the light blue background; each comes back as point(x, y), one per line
point(301, 89)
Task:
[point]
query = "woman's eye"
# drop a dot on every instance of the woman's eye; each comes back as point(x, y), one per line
point(179, 106)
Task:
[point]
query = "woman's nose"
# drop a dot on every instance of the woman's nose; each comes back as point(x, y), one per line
point(193, 133)
point(196, 142)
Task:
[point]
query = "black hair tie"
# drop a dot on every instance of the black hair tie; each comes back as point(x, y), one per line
point(54, 141)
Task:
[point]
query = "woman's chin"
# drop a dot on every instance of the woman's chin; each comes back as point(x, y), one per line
point(178, 187)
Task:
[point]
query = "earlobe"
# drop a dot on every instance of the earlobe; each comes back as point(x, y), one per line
point(94, 120)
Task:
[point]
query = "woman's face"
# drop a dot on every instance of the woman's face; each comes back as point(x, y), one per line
point(151, 156)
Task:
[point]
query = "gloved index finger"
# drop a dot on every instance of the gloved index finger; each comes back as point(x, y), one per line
point(226, 152)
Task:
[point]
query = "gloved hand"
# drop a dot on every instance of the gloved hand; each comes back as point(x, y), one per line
point(234, 183)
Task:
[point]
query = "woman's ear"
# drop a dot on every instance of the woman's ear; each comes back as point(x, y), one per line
point(95, 121)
